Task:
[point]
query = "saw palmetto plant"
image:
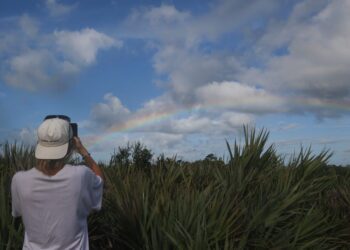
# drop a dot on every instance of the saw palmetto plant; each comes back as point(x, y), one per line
point(254, 200)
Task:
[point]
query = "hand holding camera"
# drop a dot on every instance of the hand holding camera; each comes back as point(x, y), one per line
point(79, 147)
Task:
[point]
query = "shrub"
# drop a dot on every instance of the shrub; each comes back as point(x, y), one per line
point(254, 201)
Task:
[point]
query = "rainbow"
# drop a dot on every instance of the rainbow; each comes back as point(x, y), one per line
point(343, 105)
point(141, 120)
point(134, 122)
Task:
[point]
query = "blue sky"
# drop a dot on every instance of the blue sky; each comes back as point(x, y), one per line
point(179, 76)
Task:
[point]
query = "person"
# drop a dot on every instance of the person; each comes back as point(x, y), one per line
point(55, 198)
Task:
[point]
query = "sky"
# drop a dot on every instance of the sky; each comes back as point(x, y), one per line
point(181, 77)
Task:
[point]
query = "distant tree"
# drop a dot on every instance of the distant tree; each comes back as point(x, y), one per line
point(163, 161)
point(212, 160)
point(141, 155)
point(211, 157)
point(122, 157)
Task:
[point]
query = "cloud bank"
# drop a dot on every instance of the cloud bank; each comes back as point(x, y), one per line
point(219, 67)
point(295, 63)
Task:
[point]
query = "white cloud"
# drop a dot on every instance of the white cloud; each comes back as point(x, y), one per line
point(158, 140)
point(28, 136)
point(201, 123)
point(57, 9)
point(239, 97)
point(315, 67)
point(108, 113)
point(191, 124)
point(112, 116)
point(38, 70)
point(38, 61)
point(179, 56)
point(187, 125)
point(234, 121)
point(18, 34)
point(189, 70)
point(279, 33)
point(173, 135)
point(168, 24)
point(301, 56)
point(162, 14)
point(82, 46)
point(164, 22)
point(162, 104)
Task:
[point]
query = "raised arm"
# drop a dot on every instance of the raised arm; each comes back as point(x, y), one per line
point(79, 147)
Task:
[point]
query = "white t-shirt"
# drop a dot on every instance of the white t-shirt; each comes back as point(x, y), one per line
point(54, 209)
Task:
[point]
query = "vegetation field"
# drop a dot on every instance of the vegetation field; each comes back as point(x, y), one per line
point(253, 200)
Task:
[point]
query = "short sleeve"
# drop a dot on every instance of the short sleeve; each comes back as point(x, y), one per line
point(16, 207)
point(95, 190)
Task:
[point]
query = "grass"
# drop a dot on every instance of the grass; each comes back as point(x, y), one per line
point(253, 201)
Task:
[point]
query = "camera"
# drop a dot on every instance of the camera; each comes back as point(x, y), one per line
point(74, 126)
point(75, 129)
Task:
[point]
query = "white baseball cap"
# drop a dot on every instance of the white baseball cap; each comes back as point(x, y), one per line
point(53, 139)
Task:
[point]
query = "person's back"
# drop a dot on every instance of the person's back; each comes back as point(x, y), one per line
point(54, 200)
point(56, 207)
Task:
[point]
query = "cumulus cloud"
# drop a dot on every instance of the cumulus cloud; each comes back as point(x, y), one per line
point(214, 92)
point(191, 124)
point(155, 22)
point(109, 113)
point(279, 33)
point(38, 61)
point(38, 70)
point(27, 136)
point(161, 104)
point(179, 36)
point(82, 46)
point(158, 140)
point(188, 70)
point(19, 34)
point(160, 15)
point(113, 116)
point(170, 128)
point(201, 123)
point(58, 9)
point(302, 58)
point(315, 66)
point(168, 24)
point(235, 121)
point(187, 125)
point(240, 97)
